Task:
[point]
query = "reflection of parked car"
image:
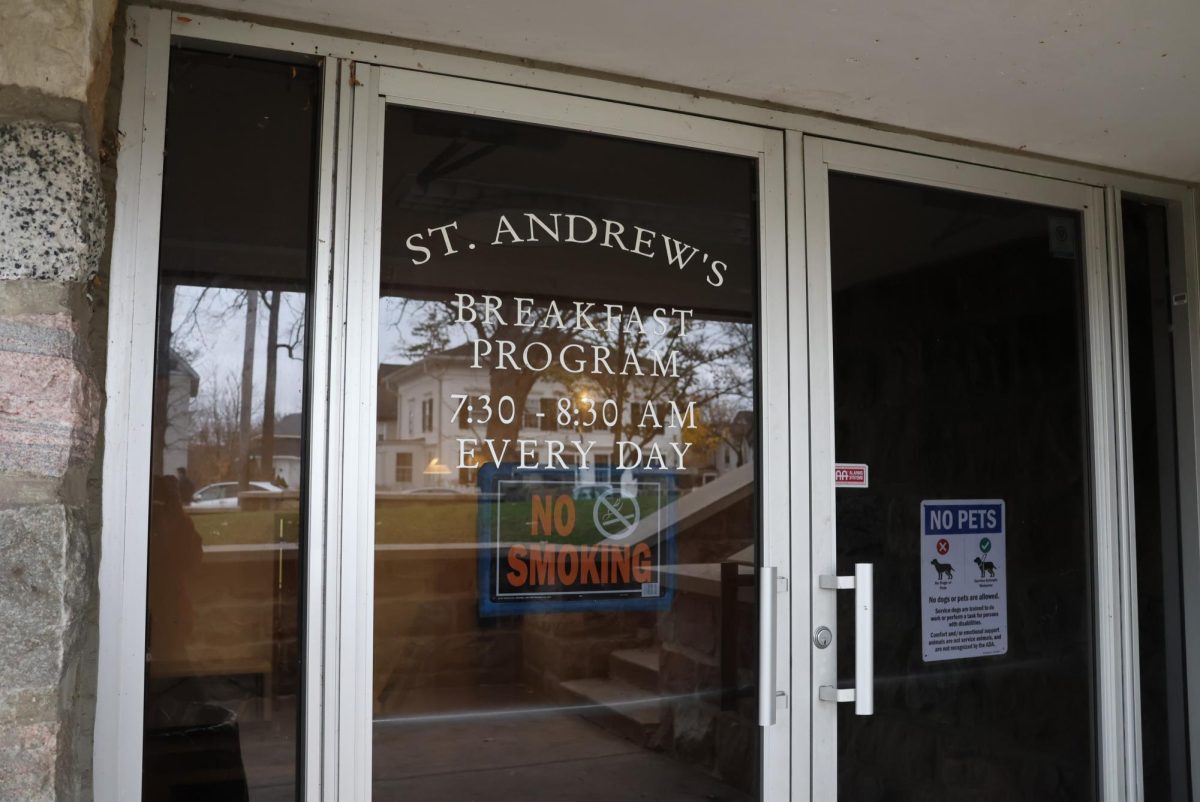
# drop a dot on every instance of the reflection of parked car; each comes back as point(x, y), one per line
point(224, 495)
point(590, 491)
point(433, 492)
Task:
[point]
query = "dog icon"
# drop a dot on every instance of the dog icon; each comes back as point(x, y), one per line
point(986, 568)
point(943, 569)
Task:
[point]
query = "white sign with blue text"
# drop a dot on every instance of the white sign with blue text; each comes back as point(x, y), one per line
point(964, 602)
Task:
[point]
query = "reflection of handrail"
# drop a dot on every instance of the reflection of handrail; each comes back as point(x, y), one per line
point(698, 504)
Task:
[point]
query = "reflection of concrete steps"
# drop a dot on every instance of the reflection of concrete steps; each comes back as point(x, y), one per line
point(626, 702)
point(636, 666)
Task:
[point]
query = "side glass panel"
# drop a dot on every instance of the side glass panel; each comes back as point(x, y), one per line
point(1149, 304)
point(960, 380)
point(566, 492)
point(227, 485)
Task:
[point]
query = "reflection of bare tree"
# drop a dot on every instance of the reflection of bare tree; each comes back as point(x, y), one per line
point(726, 421)
point(162, 378)
point(275, 301)
point(267, 461)
point(713, 362)
point(205, 314)
point(247, 389)
point(204, 322)
point(294, 303)
point(429, 332)
point(218, 429)
point(181, 387)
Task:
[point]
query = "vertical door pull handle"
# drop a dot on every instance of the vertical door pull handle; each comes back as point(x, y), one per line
point(770, 585)
point(863, 692)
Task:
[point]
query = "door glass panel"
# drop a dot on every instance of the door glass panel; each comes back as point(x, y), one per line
point(960, 379)
point(1157, 538)
point(227, 479)
point(566, 495)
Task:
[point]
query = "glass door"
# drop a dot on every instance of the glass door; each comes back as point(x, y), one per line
point(566, 500)
point(964, 517)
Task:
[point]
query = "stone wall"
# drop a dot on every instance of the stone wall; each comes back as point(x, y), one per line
point(53, 73)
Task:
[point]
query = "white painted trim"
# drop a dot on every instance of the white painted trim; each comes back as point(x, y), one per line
point(324, 606)
point(823, 525)
point(775, 460)
point(800, 461)
point(1130, 651)
point(1108, 534)
point(1107, 530)
point(132, 307)
point(357, 468)
point(286, 36)
point(318, 500)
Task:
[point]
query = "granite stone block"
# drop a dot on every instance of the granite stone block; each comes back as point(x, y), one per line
point(28, 754)
point(50, 407)
point(52, 213)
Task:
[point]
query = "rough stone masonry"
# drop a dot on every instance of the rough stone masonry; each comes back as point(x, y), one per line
point(54, 73)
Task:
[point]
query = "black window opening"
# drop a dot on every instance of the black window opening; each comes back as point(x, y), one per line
point(1150, 306)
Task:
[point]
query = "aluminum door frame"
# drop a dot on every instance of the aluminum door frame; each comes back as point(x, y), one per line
point(355, 349)
point(1116, 767)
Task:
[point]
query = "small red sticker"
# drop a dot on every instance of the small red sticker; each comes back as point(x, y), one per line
point(850, 474)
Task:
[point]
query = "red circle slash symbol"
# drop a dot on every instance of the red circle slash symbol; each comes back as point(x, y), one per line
point(943, 546)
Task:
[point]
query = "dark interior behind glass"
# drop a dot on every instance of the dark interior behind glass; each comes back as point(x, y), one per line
point(1148, 303)
point(228, 479)
point(960, 373)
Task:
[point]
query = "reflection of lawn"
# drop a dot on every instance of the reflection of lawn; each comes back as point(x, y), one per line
point(418, 521)
point(406, 521)
point(235, 527)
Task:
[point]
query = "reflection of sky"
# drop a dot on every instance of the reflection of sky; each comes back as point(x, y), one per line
point(209, 329)
point(397, 316)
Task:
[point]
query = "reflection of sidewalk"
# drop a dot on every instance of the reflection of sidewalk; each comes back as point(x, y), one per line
point(550, 757)
point(248, 548)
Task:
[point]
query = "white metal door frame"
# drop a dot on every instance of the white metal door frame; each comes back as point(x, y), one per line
point(355, 342)
point(1182, 247)
point(1115, 755)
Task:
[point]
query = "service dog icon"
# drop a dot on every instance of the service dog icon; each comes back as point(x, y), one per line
point(986, 568)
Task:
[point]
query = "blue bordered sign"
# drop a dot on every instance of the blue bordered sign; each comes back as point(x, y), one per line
point(964, 596)
point(557, 541)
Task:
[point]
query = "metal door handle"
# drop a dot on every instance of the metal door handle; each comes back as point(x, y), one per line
point(770, 585)
point(863, 692)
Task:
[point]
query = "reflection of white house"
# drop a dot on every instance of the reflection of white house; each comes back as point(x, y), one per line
point(183, 387)
point(418, 434)
point(737, 448)
point(288, 450)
